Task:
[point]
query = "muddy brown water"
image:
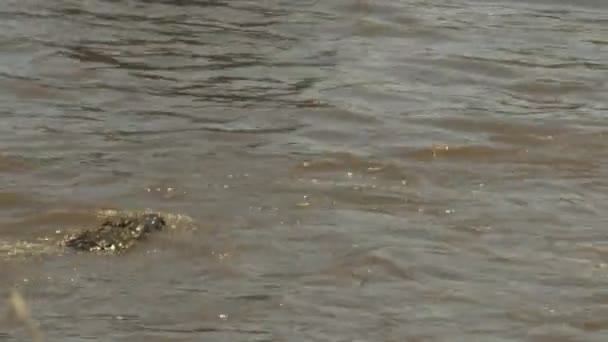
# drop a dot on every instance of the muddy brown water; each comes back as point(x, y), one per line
point(355, 170)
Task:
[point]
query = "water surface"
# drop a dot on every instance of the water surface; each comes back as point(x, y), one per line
point(356, 170)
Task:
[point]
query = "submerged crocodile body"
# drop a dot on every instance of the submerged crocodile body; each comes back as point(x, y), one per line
point(116, 234)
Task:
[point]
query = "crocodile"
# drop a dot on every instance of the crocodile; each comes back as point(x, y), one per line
point(115, 233)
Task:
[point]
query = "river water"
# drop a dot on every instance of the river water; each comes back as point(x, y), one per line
point(353, 170)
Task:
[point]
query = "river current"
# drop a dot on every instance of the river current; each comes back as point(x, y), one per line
point(342, 170)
